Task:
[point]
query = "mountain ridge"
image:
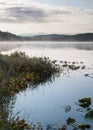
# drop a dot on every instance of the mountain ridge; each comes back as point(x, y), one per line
point(7, 36)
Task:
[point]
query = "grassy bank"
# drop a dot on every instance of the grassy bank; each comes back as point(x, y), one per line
point(16, 71)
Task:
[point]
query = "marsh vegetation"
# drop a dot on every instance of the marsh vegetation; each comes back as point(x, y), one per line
point(16, 71)
point(20, 73)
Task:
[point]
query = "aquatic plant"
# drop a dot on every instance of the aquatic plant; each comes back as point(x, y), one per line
point(85, 102)
point(89, 114)
point(70, 121)
point(75, 126)
point(72, 66)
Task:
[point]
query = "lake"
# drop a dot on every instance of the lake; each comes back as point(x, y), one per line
point(45, 103)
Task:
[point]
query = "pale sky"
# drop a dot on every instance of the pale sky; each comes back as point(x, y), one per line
point(46, 16)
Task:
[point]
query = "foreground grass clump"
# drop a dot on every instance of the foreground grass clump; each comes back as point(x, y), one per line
point(18, 69)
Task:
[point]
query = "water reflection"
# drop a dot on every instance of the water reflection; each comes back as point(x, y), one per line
point(5, 46)
point(44, 100)
point(85, 46)
point(69, 51)
point(60, 45)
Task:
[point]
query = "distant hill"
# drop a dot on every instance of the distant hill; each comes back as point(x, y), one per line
point(60, 37)
point(6, 36)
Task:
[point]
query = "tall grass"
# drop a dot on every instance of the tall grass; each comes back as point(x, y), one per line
point(16, 71)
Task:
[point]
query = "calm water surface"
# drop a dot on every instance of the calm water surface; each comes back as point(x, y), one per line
point(46, 102)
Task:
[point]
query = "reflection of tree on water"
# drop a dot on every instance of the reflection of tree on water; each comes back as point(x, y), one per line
point(84, 46)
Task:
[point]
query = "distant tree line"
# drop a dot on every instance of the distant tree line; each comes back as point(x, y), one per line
point(6, 36)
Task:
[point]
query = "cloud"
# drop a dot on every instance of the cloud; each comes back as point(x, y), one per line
point(25, 14)
point(42, 13)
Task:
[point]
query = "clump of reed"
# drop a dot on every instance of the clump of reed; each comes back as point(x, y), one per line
point(18, 69)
